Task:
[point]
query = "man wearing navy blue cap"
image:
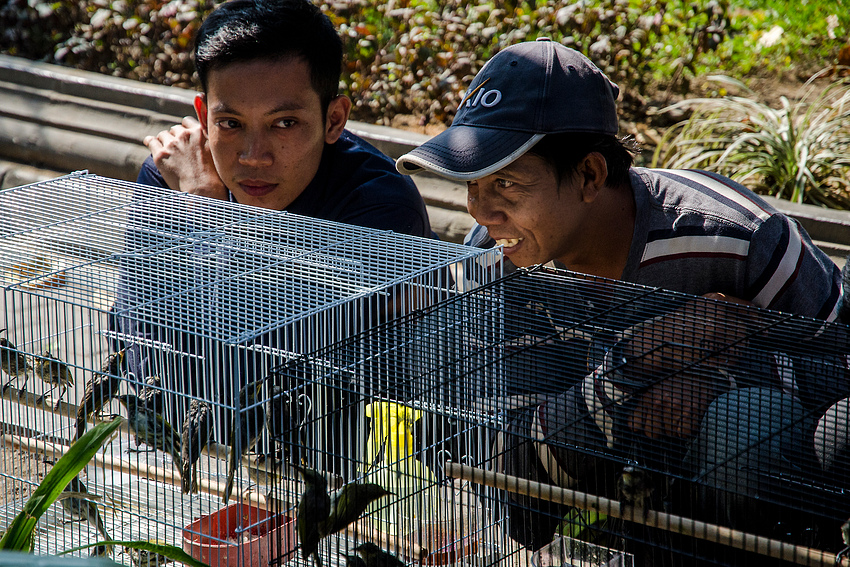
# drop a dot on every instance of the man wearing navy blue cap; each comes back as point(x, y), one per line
point(535, 139)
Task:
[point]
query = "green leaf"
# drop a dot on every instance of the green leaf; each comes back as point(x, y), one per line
point(19, 536)
point(169, 551)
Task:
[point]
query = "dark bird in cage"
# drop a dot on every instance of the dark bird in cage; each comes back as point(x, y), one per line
point(54, 372)
point(196, 435)
point(348, 503)
point(634, 488)
point(243, 438)
point(151, 394)
point(845, 537)
point(146, 557)
point(100, 389)
point(279, 420)
point(80, 507)
point(354, 561)
point(314, 506)
point(13, 363)
point(374, 556)
point(151, 428)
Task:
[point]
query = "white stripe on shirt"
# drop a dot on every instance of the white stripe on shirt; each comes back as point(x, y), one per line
point(720, 188)
point(786, 268)
point(707, 244)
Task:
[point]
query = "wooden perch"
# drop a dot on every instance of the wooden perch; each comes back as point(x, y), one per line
point(676, 524)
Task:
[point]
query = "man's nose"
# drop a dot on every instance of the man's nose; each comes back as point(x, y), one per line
point(484, 209)
point(256, 151)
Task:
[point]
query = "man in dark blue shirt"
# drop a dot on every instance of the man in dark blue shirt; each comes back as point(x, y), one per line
point(271, 130)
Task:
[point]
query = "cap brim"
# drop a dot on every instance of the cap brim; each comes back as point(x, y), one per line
point(464, 153)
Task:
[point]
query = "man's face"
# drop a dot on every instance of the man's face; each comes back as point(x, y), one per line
point(524, 211)
point(264, 123)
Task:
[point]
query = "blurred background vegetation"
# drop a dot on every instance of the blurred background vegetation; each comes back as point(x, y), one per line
point(408, 62)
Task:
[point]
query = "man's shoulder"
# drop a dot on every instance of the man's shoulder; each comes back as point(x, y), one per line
point(149, 174)
point(701, 192)
point(359, 164)
point(362, 186)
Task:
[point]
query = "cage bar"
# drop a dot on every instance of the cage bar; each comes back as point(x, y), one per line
point(202, 297)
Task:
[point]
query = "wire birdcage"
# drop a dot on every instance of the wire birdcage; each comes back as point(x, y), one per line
point(201, 297)
point(551, 418)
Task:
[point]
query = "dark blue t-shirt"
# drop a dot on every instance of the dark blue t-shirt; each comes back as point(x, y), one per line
point(356, 184)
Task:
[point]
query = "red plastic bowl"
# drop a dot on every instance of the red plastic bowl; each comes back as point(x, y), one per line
point(240, 534)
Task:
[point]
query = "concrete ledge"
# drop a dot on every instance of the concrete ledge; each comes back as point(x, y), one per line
point(54, 120)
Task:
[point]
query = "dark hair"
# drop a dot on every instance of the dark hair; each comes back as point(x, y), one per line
point(564, 152)
point(247, 30)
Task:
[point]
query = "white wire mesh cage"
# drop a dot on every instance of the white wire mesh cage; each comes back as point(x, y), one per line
point(549, 418)
point(200, 297)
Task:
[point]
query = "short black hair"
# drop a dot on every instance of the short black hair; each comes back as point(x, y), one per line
point(564, 152)
point(247, 30)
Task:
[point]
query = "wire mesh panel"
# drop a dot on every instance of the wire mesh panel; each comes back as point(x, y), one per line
point(121, 299)
point(557, 419)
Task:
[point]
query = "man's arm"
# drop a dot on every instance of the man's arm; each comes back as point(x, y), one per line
point(182, 156)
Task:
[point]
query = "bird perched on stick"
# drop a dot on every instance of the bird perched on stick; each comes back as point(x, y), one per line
point(56, 373)
point(75, 500)
point(13, 362)
point(100, 389)
point(279, 419)
point(314, 506)
point(196, 435)
point(151, 428)
point(634, 488)
point(348, 503)
point(374, 556)
point(251, 418)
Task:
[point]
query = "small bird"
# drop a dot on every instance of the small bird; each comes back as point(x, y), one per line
point(348, 503)
point(196, 435)
point(79, 507)
point(635, 487)
point(56, 373)
point(100, 389)
point(279, 420)
point(314, 506)
point(249, 431)
point(13, 362)
point(151, 394)
point(354, 561)
point(151, 428)
point(374, 556)
point(845, 537)
point(146, 558)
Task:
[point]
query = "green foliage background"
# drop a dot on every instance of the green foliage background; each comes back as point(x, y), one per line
point(417, 56)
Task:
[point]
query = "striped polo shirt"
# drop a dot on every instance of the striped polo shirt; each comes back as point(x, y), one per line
point(699, 232)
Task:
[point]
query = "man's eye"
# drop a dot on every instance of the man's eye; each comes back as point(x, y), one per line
point(227, 124)
point(504, 183)
point(285, 123)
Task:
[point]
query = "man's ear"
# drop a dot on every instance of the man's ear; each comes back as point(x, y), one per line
point(338, 111)
point(593, 173)
point(201, 110)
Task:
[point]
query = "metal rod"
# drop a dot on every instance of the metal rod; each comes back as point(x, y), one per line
point(669, 522)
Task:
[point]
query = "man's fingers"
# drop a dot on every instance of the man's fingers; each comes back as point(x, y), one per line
point(189, 122)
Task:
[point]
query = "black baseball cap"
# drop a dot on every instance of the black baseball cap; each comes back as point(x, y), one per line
point(524, 92)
